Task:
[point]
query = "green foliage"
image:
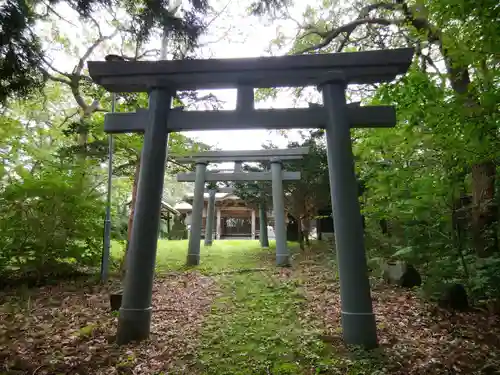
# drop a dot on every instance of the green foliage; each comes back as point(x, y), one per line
point(413, 175)
point(21, 55)
point(49, 218)
point(447, 131)
point(178, 230)
point(52, 188)
point(303, 197)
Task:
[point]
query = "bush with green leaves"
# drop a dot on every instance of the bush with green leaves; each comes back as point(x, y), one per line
point(49, 218)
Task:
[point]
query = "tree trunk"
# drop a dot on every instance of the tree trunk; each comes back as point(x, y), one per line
point(123, 266)
point(384, 227)
point(484, 210)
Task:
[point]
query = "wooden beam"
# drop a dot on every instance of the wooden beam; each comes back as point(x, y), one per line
point(276, 71)
point(291, 118)
point(244, 176)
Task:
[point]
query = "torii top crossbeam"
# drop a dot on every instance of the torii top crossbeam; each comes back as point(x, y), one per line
point(261, 72)
point(247, 155)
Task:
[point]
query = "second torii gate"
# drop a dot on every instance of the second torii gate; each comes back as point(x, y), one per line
point(277, 176)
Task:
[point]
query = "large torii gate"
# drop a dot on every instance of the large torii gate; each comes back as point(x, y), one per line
point(277, 176)
point(331, 72)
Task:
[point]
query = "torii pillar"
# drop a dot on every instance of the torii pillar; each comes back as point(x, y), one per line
point(264, 240)
point(193, 257)
point(282, 253)
point(209, 228)
point(135, 311)
point(358, 320)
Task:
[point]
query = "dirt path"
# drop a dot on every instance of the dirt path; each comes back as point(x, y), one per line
point(246, 317)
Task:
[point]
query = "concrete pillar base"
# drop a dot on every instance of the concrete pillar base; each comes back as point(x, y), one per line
point(359, 328)
point(193, 260)
point(133, 325)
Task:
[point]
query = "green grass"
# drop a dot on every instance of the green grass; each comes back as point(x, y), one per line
point(255, 328)
point(221, 256)
point(259, 323)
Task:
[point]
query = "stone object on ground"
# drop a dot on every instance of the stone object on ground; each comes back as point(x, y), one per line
point(454, 297)
point(115, 300)
point(400, 273)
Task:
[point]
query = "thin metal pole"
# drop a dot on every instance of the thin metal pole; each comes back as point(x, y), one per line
point(106, 248)
point(358, 320)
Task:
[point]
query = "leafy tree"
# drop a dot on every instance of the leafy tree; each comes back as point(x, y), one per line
point(420, 176)
point(49, 215)
point(463, 43)
point(22, 54)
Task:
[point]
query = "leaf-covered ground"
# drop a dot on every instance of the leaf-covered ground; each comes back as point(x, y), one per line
point(414, 336)
point(69, 329)
point(238, 314)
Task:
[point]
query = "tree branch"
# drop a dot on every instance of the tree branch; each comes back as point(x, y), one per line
point(348, 28)
point(50, 9)
point(51, 67)
point(76, 75)
point(67, 118)
point(96, 24)
point(77, 71)
point(52, 77)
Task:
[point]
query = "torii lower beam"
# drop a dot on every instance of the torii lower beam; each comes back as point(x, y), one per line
point(295, 118)
point(277, 175)
point(294, 153)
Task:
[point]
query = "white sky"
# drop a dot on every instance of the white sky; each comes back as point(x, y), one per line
point(250, 37)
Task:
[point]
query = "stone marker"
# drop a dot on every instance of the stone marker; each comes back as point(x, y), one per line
point(401, 274)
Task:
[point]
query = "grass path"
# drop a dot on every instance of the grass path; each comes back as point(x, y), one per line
point(237, 314)
point(258, 324)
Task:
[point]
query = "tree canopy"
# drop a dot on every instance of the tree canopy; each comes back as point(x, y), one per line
point(22, 54)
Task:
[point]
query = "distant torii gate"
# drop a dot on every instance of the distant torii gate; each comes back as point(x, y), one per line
point(277, 176)
point(332, 72)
